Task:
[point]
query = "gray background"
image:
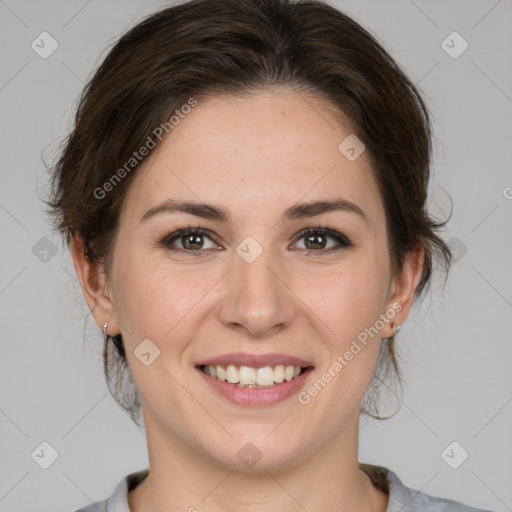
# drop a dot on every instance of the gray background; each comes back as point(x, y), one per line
point(457, 345)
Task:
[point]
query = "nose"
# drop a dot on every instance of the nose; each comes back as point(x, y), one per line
point(257, 300)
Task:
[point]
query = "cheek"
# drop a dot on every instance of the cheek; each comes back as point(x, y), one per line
point(158, 306)
point(156, 302)
point(351, 301)
point(350, 306)
point(353, 342)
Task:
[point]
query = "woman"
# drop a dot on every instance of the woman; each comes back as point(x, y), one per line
point(244, 196)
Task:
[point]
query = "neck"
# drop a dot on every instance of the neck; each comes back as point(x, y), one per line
point(327, 477)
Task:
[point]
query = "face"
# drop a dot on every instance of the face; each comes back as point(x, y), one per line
point(248, 287)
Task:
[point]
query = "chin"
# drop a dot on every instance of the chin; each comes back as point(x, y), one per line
point(257, 452)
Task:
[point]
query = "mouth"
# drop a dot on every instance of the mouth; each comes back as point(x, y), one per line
point(249, 380)
point(252, 377)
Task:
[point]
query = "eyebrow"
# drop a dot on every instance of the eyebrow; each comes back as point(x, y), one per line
point(212, 212)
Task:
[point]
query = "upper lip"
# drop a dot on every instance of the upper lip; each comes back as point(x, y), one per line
point(255, 361)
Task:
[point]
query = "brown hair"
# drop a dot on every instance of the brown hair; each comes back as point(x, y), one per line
point(202, 48)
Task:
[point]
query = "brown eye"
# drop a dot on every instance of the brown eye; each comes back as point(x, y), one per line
point(191, 240)
point(317, 240)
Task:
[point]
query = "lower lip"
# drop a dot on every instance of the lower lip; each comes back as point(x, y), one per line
point(256, 396)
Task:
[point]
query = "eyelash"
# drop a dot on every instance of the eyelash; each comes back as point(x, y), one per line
point(342, 241)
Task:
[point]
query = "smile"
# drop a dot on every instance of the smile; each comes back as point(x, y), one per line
point(251, 377)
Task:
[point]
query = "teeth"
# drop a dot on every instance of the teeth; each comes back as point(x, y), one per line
point(279, 373)
point(248, 377)
point(264, 376)
point(232, 374)
point(221, 373)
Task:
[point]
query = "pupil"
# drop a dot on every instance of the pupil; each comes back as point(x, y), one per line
point(314, 237)
point(192, 238)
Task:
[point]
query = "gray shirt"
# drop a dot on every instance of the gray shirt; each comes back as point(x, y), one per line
point(401, 498)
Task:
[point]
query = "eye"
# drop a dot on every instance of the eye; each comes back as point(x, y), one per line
point(190, 239)
point(317, 240)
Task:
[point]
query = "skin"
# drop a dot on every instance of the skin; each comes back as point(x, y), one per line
point(254, 156)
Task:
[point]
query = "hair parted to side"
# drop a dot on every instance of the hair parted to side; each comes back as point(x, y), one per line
point(200, 49)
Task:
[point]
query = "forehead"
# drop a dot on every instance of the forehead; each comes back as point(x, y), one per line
point(253, 153)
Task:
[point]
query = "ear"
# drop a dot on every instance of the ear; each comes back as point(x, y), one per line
point(402, 289)
point(95, 287)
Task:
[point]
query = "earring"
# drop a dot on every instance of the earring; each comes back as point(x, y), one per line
point(397, 327)
point(105, 335)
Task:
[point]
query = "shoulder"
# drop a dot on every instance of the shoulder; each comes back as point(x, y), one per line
point(99, 506)
point(405, 499)
point(118, 501)
point(401, 497)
